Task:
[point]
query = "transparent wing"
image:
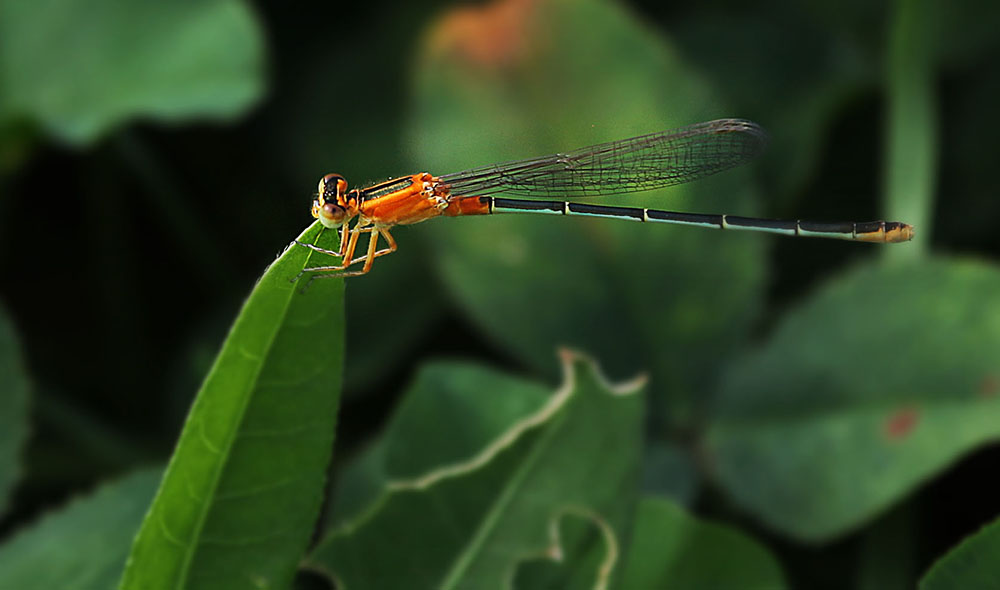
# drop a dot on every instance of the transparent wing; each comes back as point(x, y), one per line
point(629, 165)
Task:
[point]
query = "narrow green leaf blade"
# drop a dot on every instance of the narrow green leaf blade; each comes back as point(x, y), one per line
point(972, 564)
point(13, 408)
point(470, 523)
point(80, 67)
point(882, 379)
point(241, 493)
point(672, 549)
point(84, 545)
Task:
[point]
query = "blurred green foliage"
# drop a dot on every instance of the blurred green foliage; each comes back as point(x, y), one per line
point(241, 492)
point(797, 389)
point(468, 523)
point(532, 284)
point(412, 442)
point(970, 565)
point(86, 543)
point(13, 409)
point(670, 549)
point(94, 65)
point(882, 423)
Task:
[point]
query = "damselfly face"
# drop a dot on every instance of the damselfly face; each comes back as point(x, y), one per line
point(330, 205)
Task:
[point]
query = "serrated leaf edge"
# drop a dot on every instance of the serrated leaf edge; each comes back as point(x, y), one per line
point(554, 551)
point(568, 358)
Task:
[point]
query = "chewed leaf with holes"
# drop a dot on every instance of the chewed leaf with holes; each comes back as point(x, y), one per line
point(578, 562)
point(449, 413)
point(881, 380)
point(242, 491)
point(669, 548)
point(471, 523)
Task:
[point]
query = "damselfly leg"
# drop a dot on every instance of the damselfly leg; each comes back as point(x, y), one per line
point(340, 252)
point(348, 260)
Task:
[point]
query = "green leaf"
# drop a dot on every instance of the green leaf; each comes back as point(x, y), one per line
point(672, 549)
point(669, 470)
point(80, 68)
point(962, 33)
point(972, 564)
point(243, 488)
point(669, 549)
point(357, 133)
point(471, 522)
point(578, 562)
point(516, 80)
point(450, 412)
point(887, 553)
point(14, 387)
point(479, 404)
point(83, 545)
point(799, 67)
point(791, 70)
point(879, 381)
point(912, 152)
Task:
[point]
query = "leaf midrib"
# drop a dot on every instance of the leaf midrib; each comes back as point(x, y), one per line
point(217, 475)
point(451, 579)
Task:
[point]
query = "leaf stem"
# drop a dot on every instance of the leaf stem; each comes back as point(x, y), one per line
point(912, 125)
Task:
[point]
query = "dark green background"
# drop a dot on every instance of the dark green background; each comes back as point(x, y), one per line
point(125, 255)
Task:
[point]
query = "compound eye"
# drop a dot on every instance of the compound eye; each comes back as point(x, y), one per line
point(331, 187)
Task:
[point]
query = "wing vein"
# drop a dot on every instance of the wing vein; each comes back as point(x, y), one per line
point(640, 163)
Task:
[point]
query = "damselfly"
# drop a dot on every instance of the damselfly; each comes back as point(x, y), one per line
point(638, 164)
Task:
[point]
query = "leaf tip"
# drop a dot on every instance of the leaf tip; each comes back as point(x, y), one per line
point(574, 361)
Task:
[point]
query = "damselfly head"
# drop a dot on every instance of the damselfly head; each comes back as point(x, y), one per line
point(331, 188)
point(330, 206)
